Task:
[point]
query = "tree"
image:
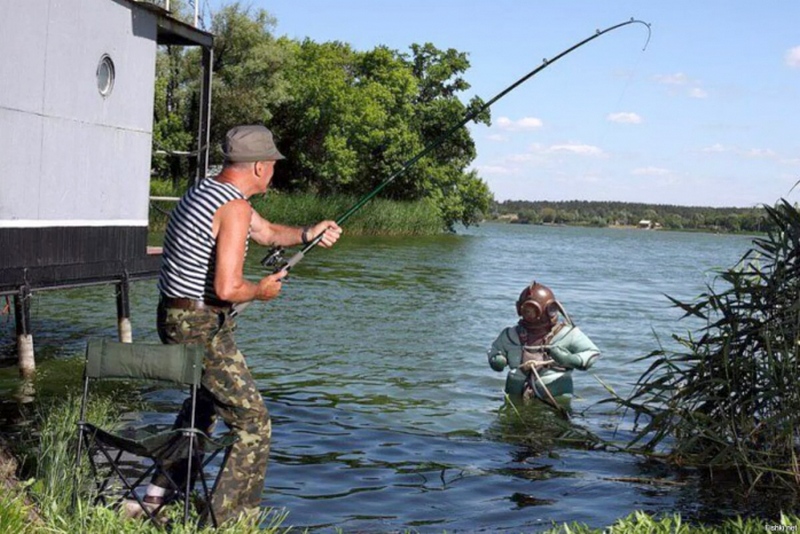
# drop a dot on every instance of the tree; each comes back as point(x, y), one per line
point(356, 118)
point(548, 215)
point(173, 111)
point(247, 82)
point(346, 120)
point(248, 71)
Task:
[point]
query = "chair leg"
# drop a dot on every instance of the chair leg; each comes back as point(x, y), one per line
point(210, 496)
point(107, 480)
point(201, 473)
point(78, 454)
point(130, 488)
point(100, 485)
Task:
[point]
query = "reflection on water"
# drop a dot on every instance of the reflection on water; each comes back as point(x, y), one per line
point(385, 413)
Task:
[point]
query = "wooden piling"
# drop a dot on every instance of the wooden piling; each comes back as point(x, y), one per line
point(22, 315)
point(124, 310)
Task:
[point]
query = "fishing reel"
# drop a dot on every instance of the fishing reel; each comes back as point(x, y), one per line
point(275, 260)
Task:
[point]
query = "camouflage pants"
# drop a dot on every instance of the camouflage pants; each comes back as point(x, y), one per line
point(229, 392)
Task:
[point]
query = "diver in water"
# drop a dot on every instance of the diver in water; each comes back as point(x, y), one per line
point(541, 350)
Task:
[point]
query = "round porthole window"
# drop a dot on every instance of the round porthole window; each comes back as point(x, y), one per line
point(105, 75)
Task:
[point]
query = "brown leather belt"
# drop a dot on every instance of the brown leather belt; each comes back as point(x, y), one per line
point(193, 304)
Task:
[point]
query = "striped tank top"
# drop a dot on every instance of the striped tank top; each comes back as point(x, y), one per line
point(190, 250)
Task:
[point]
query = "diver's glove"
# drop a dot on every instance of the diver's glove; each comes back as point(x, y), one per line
point(498, 362)
point(538, 364)
point(565, 358)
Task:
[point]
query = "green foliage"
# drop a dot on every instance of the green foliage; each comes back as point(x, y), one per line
point(378, 217)
point(160, 209)
point(356, 117)
point(49, 446)
point(15, 512)
point(643, 523)
point(384, 217)
point(248, 73)
point(54, 434)
point(729, 398)
point(589, 213)
point(50, 460)
point(172, 112)
point(346, 120)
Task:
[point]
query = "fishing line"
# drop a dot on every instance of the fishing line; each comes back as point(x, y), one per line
point(275, 259)
point(628, 80)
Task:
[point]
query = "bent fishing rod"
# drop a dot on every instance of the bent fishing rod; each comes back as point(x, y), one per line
point(275, 258)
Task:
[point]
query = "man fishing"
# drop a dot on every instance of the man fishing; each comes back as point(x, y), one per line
point(541, 350)
point(202, 276)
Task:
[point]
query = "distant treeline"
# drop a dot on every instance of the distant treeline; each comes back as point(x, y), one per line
point(586, 213)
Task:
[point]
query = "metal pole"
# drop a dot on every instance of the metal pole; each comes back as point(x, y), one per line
point(204, 132)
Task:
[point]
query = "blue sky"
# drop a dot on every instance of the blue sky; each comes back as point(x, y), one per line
point(707, 115)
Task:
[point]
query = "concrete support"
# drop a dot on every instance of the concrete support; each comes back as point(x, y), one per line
point(124, 310)
point(22, 315)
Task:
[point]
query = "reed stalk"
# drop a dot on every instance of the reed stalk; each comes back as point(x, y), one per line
point(378, 217)
point(53, 439)
point(728, 397)
point(51, 474)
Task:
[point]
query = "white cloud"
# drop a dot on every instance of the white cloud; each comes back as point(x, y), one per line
point(650, 171)
point(680, 79)
point(716, 147)
point(697, 92)
point(767, 153)
point(519, 158)
point(672, 79)
point(793, 57)
point(582, 150)
point(529, 122)
point(624, 117)
point(496, 137)
point(525, 123)
point(493, 169)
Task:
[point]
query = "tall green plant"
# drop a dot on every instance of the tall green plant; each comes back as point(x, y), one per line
point(730, 398)
point(52, 475)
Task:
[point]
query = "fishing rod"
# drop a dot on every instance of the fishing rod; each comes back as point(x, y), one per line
point(275, 258)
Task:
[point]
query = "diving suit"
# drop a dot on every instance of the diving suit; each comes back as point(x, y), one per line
point(541, 350)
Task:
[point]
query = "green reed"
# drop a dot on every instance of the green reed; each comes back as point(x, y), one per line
point(378, 217)
point(729, 397)
point(50, 474)
point(41, 504)
point(642, 523)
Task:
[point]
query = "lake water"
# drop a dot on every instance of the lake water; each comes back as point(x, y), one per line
point(385, 412)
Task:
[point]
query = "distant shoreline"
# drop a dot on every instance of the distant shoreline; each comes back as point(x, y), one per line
point(630, 215)
point(629, 227)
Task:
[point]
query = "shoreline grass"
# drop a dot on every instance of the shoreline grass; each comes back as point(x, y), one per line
point(727, 399)
point(377, 217)
point(41, 504)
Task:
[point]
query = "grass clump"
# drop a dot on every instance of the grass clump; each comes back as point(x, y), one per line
point(48, 465)
point(16, 513)
point(643, 523)
point(377, 217)
point(41, 505)
point(728, 399)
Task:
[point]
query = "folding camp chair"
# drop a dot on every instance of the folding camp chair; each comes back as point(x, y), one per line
point(177, 364)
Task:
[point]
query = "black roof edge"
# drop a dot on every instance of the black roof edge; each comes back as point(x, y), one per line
point(172, 31)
